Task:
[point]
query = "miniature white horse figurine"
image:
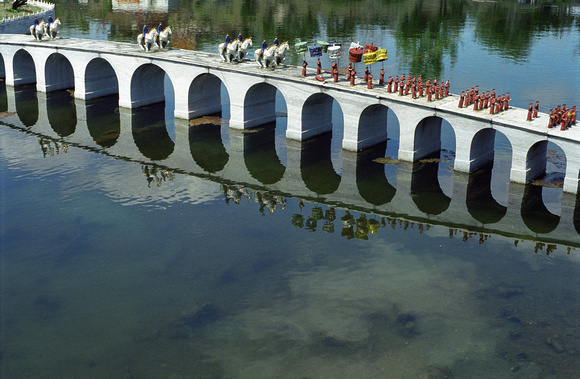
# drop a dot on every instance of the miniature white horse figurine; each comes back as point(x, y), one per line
point(147, 43)
point(242, 50)
point(164, 37)
point(279, 56)
point(39, 31)
point(232, 49)
point(52, 30)
point(268, 56)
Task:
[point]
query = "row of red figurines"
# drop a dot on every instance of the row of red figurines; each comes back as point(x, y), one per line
point(414, 85)
point(561, 115)
point(485, 100)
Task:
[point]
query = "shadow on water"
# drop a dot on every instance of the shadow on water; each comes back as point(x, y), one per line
point(103, 120)
point(534, 212)
point(206, 145)
point(27, 104)
point(316, 165)
point(150, 132)
point(425, 188)
point(371, 181)
point(479, 201)
point(62, 112)
point(260, 154)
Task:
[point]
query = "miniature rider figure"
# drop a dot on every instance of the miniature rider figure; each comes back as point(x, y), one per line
point(50, 20)
point(159, 30)
point(36, 22)
point(145, 30)
point(275, 42)
point(240, 38)
point(227, 40)
point(264, 47)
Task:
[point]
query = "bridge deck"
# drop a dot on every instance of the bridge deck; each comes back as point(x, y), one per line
point(513, 117)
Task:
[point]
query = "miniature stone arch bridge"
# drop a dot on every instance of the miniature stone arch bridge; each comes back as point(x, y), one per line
point(100, 68)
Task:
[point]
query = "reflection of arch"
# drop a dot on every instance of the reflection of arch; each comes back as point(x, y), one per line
point(62, 112)
point(23, 68)
point(373, 123)
point(425, 189)
point(260, 104)
point(58, 73)
point(26, 104)
point(534, 212)
point(316, 165)
point(103, 121)
point(204, 96)
point(371, 181)
point(147, 85)
point(480, 203)
point(207, 148)
point(150, 132)
point(260, 155)
point(100, 79)
point(317, 115)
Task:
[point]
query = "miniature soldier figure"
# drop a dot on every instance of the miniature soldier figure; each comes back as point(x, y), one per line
point(382, 77)
point(369, 81)
point(390, 84)
point(461, 97)
point(366, 78)
point(352, 76)
point(396, 87)
point(447, 85)
point(551, 120)
point(401, 87)
point(335, 71)
point(475, 102)
point(564, 121)
point(349, 72)
point(485, 104)
point(536, 108)
point(492, 105)
point(530, 112)
point(318, 67)
point(506, 104)
point(428, 89)
point(304, 64)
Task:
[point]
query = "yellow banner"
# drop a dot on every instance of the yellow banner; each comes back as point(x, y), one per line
point(370, 58)
point(381, 55)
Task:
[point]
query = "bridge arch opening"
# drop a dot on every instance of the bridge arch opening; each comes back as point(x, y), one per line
point(488, 184)
point(24, 68)
point(432, 172)
point(2, 68)
point(205, 96)
point(58, 73)
point(379, 131)
point(100, 79)
point(148, 86)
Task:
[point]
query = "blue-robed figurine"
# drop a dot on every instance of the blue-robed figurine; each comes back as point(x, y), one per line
point(240, 38)
point(160, 28)
point(145, 30)
point(36, 22)
point(264, 47)
point(50, 20)
point(275, 42)
point(228, 40)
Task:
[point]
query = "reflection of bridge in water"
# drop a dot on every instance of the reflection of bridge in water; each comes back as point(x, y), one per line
point(251, 161)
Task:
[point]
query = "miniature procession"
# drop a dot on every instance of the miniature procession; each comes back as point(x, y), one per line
point(272, 56)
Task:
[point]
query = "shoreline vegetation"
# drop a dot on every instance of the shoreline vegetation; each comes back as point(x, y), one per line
point(6, 10)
